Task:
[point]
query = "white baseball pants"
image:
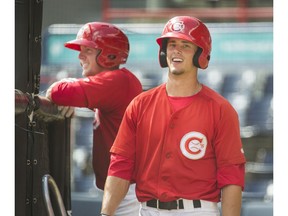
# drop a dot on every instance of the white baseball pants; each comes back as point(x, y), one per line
point(129, 205)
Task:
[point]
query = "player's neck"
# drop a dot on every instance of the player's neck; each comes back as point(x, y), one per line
point(185, 88)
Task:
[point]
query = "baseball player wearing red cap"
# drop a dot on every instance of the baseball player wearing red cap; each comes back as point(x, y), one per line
point(106, 88)
point(180, 142)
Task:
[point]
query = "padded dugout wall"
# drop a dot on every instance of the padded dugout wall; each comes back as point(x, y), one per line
point(42, 143)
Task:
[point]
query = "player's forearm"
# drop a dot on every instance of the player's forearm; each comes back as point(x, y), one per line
point(231, 200)
point(67, 93)
point(114, 191)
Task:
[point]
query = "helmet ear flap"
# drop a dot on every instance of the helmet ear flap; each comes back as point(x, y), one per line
point(201, 60)
point(196, 57)
point(163, 54)
point(162, 58)
point(100, 59)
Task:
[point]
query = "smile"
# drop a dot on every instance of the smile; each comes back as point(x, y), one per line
point(177, 60)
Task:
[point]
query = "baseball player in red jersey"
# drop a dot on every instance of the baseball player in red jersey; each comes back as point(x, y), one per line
point(106, 88)
point(180, 142)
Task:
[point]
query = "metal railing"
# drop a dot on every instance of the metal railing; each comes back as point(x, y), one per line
point(48, 182)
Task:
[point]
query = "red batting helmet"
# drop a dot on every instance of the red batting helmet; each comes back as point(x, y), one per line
point(110, 40)
point(190, 29)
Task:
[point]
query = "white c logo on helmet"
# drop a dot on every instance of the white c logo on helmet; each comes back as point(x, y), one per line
point(178, 26)
point(193, 145)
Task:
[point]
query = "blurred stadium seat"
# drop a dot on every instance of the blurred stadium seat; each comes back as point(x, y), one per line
point(268, 85)
point(260, 114)
point(212, 78)
point(241, 102)
point(242, 82)
point(257, 208)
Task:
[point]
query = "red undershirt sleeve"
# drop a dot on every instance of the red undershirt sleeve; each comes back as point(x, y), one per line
point(121, 167)
point(231, 175)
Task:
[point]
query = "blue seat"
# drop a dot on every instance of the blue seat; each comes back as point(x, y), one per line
point(240, 102)
point(85, 184)
point(257, 208)
point(212, 78)
point(256, 188)
point(82, 125)
point(268, 85)
point(239, 82)
point(86, 204)
point(260, 114)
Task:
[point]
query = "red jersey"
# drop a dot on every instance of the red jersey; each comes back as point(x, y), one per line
point(177, 154)
point(109, 92)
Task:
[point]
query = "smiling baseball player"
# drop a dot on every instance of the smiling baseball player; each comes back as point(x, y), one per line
point(180, 142)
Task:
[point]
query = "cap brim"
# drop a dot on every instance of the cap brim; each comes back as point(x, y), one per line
point(75, 44)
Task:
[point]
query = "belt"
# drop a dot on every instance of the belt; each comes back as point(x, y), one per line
point(175, 204)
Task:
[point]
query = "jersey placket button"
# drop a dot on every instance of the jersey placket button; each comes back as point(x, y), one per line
point(168, 155)
point(172, 122)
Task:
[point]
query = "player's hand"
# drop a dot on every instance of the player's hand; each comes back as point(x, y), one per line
point(66, 111)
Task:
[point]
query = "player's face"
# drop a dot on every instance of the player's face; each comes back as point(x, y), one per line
point(179, 55)
point(87, 57)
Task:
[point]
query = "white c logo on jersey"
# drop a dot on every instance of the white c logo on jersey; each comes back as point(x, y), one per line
point(193, 145)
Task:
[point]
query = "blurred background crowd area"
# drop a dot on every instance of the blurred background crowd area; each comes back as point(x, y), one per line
point(241, 69)
point(151, 11)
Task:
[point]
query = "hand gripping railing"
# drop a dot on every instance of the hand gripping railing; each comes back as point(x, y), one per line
point(48, 182)
point(36, 105)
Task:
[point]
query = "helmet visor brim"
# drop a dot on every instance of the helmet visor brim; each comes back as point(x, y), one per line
point(174, 35)
point(75, 44)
